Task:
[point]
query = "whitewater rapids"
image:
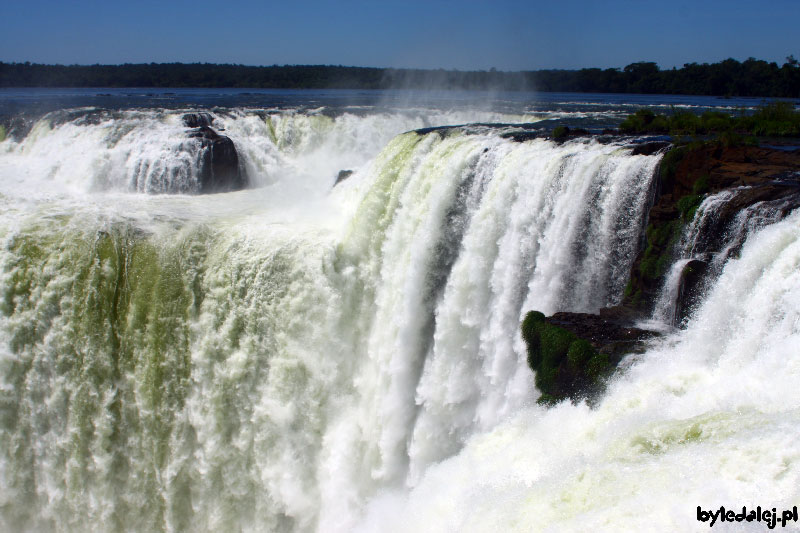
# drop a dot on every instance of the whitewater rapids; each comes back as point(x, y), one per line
point(296, 358)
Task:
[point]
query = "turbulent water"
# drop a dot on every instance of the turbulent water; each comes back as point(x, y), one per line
point(297, 357)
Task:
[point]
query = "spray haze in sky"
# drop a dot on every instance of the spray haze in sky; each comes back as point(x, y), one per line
point(507, 35)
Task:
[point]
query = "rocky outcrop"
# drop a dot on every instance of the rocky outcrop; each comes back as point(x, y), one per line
point(690, 287)
point(611, 331)
point(563, 133)
point(573, 354)
point(650, 147)
point(219, 169)
point(198, 120)
point(688, 174)
point(343, 175)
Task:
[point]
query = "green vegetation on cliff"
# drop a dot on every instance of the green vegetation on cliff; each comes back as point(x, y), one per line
point(663, 232)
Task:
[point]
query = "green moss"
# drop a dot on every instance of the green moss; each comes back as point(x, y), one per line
point(628, 292)
point(547, 399)
point(3, 133)
point(579, 353)
point(669, 165)
point(687, 206)
point(271, 129)
point(661, 238)
point(700, 185)
point(529, 324)
point(637, 298)
point(641, 120)
point(546, 380)
point(716, 121)
point(660, 124)
point(658, 253)
point(127, 298)
point(530, 334)
point(598, 366)
point(554, 344)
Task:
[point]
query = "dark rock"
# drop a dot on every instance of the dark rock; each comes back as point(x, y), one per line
point(560, 133)
point(776, 200)
point(343, 175)
point(522, 136)
point(219, 169)
point(690, 290)
point(444, 131)
point(649, 148)
point(198, 120)
point(611, 325)
point(619, 314)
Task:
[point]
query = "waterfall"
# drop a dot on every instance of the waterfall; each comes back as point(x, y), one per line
point(706, 418)
point(687, 249)
point(299, 356)
point(711, 238)
point(205, 363)
point(152, 151)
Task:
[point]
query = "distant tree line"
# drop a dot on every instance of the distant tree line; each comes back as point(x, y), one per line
point(730, 77)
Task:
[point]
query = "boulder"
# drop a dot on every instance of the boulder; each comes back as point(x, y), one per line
point(343, 175)
point(218, 162)
point(198, 120)
point(690, 288)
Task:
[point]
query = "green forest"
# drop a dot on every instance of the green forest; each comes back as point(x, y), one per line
point(752, 77)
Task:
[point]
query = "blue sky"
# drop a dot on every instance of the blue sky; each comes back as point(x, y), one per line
point(505, 34)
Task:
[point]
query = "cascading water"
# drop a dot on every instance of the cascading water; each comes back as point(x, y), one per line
point(291, 358)
point(711, 241)
point(687, 249)
point(707, 418)
point(150, 151)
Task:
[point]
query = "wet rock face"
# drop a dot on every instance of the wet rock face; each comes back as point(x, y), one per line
point(218, 169)
point(690, 289)
point(608, 331)
point(757, 175)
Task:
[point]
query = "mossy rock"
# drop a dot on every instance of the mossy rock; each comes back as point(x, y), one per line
point(579, 353)
point(566, 366)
